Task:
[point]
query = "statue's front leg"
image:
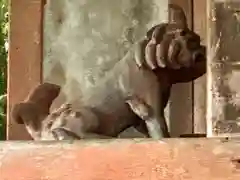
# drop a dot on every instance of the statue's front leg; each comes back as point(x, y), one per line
point(150, 111)
point(142, 128)
point(62, 134)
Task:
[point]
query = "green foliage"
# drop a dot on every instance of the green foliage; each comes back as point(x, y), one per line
point(3, 64)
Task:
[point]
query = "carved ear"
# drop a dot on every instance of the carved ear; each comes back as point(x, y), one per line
point(28, 114)
point(20, 110)
point(177, 15)
point(36, 106)
point(16, 113)
point(43, 95)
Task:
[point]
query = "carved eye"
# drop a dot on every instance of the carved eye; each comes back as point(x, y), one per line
point(193, 44)
point(49, 124)
point(182, 33)
point(78, 114)
point(75, 114)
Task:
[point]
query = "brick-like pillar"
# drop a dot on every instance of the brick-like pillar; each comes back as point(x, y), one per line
point(25, 57)
point(121, 160)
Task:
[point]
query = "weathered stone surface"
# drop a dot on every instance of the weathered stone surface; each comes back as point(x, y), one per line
point(187, 159)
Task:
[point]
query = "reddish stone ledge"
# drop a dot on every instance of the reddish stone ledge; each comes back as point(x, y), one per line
point(188, 159)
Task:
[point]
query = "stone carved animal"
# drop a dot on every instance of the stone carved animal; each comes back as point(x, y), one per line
point(129, 96)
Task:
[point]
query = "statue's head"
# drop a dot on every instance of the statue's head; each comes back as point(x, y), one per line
point(35, 108)
point(180, 46)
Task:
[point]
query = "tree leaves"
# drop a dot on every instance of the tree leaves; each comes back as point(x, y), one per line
point(3, 64)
